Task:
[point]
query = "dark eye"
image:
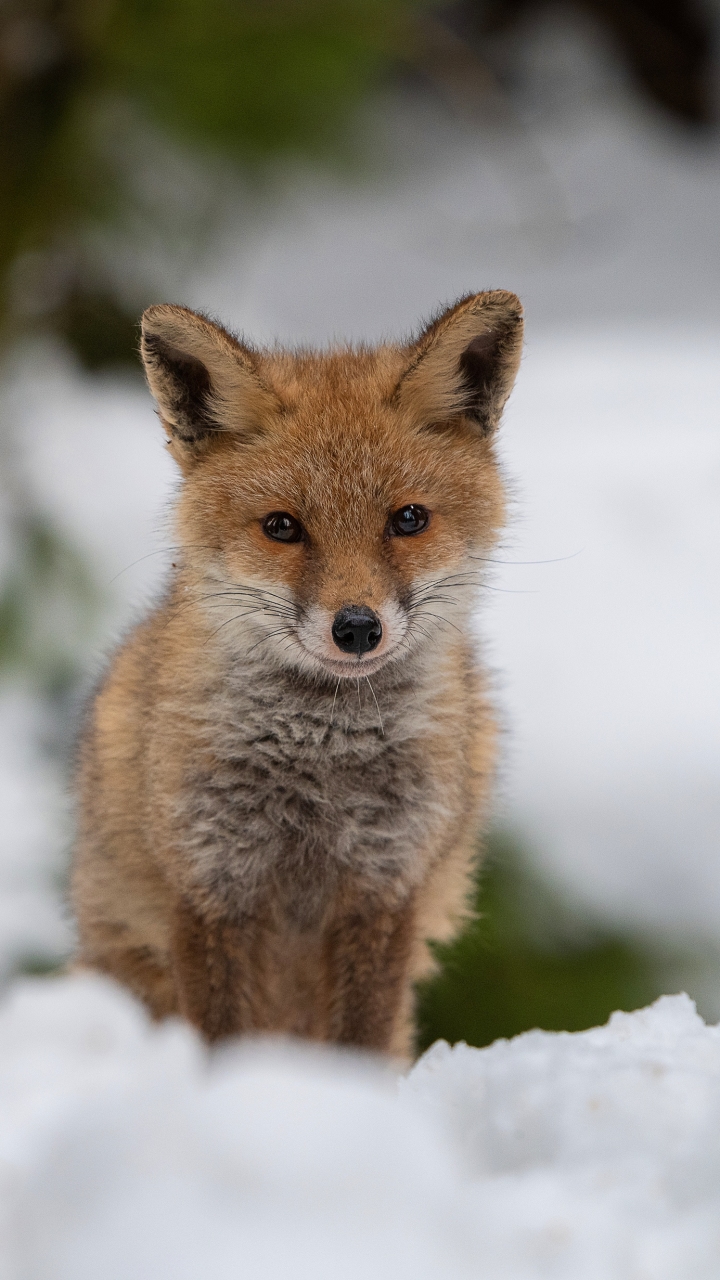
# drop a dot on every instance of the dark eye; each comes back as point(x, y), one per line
point(282, 527)
point(409, 520)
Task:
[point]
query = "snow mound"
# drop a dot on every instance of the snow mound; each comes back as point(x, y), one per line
point(127, 1151)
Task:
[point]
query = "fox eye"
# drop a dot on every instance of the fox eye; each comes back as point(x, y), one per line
point(282, 527)
point(409, 520)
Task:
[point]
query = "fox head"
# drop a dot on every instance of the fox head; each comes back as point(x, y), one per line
point(336, 506)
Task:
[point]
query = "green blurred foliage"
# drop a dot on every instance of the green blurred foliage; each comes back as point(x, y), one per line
point(83, 82)
point(247, 80)
point(528, 959)
point(255, 77)
point(47, 601)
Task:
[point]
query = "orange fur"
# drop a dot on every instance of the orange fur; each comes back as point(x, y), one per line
point(271, 827)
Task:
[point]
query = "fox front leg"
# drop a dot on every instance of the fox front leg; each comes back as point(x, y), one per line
point(219, 973)
point(368, 957)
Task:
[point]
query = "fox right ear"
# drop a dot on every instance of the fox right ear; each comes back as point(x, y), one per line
point(464, 363)
point(204, 381)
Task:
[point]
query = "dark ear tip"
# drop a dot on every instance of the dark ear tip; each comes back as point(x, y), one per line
point(157, 316)
point(505, 297)
point(506, 305)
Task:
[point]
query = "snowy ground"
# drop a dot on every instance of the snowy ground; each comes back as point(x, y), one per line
point(127, 1153)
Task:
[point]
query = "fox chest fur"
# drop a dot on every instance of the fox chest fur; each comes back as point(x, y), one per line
point(285, 789)
point(285, 769)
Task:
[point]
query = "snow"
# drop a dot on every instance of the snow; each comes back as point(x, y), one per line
point(33, 839)
point(127, 1150)
point(608, 656)
point(93, 457)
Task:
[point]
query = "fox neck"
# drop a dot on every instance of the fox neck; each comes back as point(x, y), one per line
point(251, 693)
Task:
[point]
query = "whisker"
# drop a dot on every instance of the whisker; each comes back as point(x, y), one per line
point(246, 612)
point(443, 584)
point(279, 632)
point(423, 632)
point(554, 560)
point(486, 586)
point(288, 642)
point(128, 567)
point(261, 592)
point(423, 613)
point(468, 575)
point(160, 551)
point(433, 599)
point(332, 709)
point(382, 728)
point(236, 617)
point(405, 643)
point(226, 623)
point(235, 592)
point(289, 613)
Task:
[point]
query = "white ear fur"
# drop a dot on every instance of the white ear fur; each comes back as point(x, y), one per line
point(465, 362)
point(204, 381)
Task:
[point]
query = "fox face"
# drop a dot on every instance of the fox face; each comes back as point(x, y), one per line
point(336, 507)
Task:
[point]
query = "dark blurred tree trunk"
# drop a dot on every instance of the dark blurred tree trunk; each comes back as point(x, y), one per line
point(667, 44)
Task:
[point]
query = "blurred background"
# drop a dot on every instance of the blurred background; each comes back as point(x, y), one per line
point(310, 171)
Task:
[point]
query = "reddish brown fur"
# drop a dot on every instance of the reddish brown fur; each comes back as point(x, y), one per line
point(256, 851)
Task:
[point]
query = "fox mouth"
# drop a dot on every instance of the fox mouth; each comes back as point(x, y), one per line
point(351, 668)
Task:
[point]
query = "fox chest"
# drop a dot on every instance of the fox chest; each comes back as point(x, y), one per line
point(302, 812)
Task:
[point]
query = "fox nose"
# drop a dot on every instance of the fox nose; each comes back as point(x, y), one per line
point(356, 629)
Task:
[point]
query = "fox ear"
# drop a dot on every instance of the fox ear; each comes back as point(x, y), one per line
point(465, 362)
point(205, 382)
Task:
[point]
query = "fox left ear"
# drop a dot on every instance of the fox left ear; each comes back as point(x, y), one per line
point(205, 382)
point(465, 362)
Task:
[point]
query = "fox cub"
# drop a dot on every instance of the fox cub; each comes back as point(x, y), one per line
point(285, 768)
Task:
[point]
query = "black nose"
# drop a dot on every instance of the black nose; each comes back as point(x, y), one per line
point(356, 629)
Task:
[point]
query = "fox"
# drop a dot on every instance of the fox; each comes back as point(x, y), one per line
point(284, 772)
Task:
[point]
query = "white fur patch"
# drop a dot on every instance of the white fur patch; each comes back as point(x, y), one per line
point(315, 635)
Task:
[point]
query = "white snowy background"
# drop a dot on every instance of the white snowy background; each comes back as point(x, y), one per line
point(602, 622)
point(587, 1156)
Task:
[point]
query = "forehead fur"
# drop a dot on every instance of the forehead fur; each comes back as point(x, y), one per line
point(340, 438)
point(339, 373)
